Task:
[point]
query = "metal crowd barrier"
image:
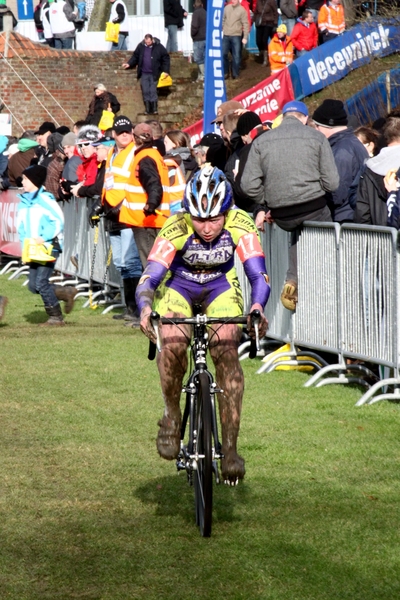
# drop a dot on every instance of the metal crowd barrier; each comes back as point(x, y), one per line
point(348, 303)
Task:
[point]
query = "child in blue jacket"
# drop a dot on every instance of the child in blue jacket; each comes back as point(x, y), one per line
point(41, 218)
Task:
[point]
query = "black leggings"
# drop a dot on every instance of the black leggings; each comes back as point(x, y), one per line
point(263, 34)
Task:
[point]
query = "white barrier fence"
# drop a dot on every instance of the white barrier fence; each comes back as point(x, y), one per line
point(348, 294)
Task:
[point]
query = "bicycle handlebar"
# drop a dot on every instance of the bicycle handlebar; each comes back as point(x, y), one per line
point(203, 319)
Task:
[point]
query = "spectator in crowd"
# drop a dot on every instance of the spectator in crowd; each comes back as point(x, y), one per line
point(37, 17)
point(119, 14)
point(45, 19)
point(102, 100)
point(78, 125)
point(151, 59)
point(293, 190)
point(371, 208)
point(177, 145)
point(280, 50)
point(392, 185)
point(87, 171)
point(4, 181)
point(370, 138)
point(4, 10)
point(265, 18)
point(62, 16)
point(69, 175)
point(147, 199)
point(235, 27)
point(288, 11)
point(198, 34)
point(40, 218)
point(331, 22)
point(156, 128)
point(56, 165)
point(42, 134)
point(350, 157)
point(211, 149)
point(18, 162)
point(315, 7)
point(173, 20)
point(3, 304)
point(125, 254)
point(305, 33)
point(248, 127)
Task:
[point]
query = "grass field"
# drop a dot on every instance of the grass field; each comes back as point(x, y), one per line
point(89, 511)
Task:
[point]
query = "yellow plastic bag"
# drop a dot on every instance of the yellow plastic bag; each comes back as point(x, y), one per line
point(286, 348)
point(33, 252)
point(112, 32)
point(107, 120)
point(164, 81)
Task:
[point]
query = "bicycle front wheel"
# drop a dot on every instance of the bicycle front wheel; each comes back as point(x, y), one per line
point(203, 492)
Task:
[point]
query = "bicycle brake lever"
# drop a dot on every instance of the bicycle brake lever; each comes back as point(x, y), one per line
point(154, 320)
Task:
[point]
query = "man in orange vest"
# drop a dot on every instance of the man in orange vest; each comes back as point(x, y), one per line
point(280, 50)
point(331, 22)
point(147, 203)
point(124, 251)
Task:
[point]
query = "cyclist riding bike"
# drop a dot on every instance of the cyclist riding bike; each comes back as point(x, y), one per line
point(192, 264)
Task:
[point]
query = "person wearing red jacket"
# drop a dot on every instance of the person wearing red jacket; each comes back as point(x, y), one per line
point(87, 171)
point(305, 34)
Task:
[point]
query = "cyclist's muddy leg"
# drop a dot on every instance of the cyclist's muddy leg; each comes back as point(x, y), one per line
point(229, 376)
point(172, 365)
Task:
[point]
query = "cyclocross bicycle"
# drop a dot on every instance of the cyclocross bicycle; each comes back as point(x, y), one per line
point(200, 453)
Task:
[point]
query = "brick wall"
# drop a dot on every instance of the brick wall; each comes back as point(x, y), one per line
point(70, 78)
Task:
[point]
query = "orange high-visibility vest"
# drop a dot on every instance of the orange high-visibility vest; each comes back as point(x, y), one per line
point(118, 168)
point(331, 18)
point(280, 52)
point(132, 207)
point(177, 184)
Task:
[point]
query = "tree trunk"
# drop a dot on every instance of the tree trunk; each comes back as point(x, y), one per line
point(100, 15)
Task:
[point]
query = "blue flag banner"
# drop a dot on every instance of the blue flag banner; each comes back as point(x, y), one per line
point(352, 49)
point(214, 82)
point(25, 10)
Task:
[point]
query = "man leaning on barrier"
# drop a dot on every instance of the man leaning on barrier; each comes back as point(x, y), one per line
point(291, 169)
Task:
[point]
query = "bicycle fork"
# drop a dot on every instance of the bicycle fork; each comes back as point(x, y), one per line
point(188, 455)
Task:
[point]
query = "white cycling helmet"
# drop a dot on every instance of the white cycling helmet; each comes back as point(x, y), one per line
point(208, 194)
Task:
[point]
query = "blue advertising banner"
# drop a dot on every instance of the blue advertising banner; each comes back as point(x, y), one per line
point(214, 82)
point(25, 10)
point(373, 102)
point(335, 59)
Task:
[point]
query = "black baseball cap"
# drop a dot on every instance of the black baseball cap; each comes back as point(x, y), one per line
point(210, 140)
point(45, 127)
point(122, 124)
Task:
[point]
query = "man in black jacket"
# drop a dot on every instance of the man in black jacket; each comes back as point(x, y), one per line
point(173, 20)
point(151, 59)
point(198, 34)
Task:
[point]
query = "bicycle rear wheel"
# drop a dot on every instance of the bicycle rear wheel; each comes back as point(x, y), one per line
point(203, 492)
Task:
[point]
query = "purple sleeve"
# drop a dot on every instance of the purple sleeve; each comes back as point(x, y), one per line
point(153, 275)
point(256, 272)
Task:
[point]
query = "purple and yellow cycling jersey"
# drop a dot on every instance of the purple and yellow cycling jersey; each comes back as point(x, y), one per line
point(200, 271)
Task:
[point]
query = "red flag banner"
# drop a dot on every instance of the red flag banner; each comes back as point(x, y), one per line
point(266, 99)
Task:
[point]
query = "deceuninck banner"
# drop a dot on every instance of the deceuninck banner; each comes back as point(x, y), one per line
point(214, 82)
point(266, 99)
point(9, 241)
point(352, 49)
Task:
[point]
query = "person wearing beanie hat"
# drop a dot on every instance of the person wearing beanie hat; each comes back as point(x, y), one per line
point(280, 50)
point(69, 175)
point(247, 121)
point(40, 222)
point(56, 164)
point(289, 171)
point(20, 160)
point(350, 156)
